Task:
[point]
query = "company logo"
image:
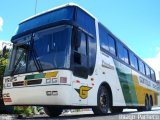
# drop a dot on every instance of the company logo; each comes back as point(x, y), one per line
point(83, 91)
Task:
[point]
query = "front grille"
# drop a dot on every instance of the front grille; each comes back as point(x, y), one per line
point(27, 82)
point(34, 82)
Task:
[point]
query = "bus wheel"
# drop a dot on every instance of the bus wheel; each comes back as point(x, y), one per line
point(52, 111)
point(140, 109)
point(147, 106)
point(102, 102)
point(116, 109)
point(150, 104)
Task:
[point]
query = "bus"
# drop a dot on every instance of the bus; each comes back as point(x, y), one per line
point(65, 58)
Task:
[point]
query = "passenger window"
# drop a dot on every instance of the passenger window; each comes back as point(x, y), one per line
point(111, 45)
point(107, 42)
point(153, 75)
point(148, 71)
point(120, 51)
point(104, 43)
point(125, 52)
point(133, 60)
point(141, 67)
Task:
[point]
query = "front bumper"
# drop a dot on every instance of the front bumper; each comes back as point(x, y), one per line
point(39, 95)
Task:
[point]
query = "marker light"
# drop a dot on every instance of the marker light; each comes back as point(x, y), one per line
point(63, 79)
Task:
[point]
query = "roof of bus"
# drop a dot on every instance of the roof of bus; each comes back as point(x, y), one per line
point(73, 4)
point(55, 8)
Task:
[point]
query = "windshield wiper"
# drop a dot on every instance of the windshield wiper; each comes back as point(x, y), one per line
point(18, 61)
point(33, 52)
point(36, 61)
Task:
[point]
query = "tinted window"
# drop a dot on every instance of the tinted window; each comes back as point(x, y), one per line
point(92, 54)
point(153, 75)
point(122, 52)
point(148, 71)
point(141, 67)
point(133, 60)
point(104, 43)
point(80, 55)
point(125, 53)
point(111, 45)
point(82, 47)
point(51, 17)
point(51, 49)
point(85, 21)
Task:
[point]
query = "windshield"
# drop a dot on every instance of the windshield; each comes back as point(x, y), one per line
point(46, 50)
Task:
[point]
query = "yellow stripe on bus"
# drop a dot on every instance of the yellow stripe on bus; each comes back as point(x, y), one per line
point(142, 91)
point(51, 74)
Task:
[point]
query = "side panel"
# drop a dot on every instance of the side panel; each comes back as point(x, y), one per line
point(127, 84)
point(112, 78)
point(159, 99)
point(80, 92)
point(135, 86)
point(142, 89)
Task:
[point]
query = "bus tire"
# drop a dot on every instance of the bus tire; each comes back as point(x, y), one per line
point(148, 105)
point(140, 109)
point(52, 111)
point(116, 110)
point(103, 102)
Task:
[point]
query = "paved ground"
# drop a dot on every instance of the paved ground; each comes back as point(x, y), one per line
point(128, 114)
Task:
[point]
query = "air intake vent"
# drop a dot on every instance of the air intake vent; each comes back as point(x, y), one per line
point(27, 82)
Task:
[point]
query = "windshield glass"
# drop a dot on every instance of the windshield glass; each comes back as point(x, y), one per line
point(46, 50)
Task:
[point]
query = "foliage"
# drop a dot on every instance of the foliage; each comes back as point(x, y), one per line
point(3, 63)
point(27, 110)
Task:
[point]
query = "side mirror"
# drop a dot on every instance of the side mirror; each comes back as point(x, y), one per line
point(24, 46)
point(4, 51)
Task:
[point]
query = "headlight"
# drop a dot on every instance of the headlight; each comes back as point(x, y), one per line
point(51, 80)
point(54, 80)
point(48, 80)
point(8, 84)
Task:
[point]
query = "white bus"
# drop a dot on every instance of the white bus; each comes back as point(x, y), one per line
point(65, 58)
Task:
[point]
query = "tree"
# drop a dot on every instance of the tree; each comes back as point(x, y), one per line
point(3, 63)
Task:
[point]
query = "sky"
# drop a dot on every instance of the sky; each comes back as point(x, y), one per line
point(135, 22)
